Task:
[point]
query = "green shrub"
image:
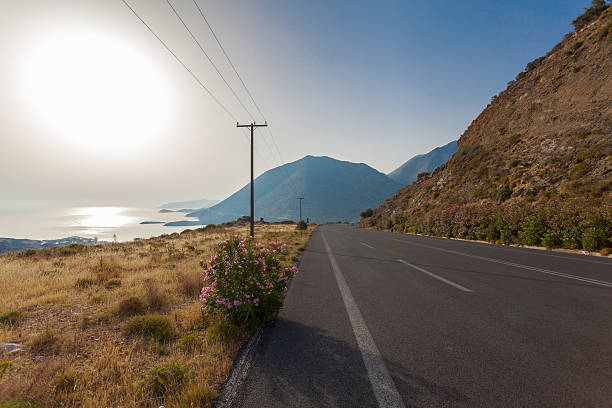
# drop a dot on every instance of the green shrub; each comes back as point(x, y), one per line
point(19, 404)
point(550, 240)
point(301, 225)
point(5, 365)
point(594, 238)
point(368, 212)
point(154, 326)
point(47, 341)
point(112, 283)
point(222, 332)
point(65, 381)
point(190, 342)
point(164, 379)
point(26, 253)
point(504, 193)
point(197, 395)
point(11, 318)
point(131, 306)
point(84, 283)
point(590, 14)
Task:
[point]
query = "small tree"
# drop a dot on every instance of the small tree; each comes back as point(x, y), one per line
point(590, 14)
point(368, 212)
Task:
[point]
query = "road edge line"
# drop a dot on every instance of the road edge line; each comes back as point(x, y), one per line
point(383, 385)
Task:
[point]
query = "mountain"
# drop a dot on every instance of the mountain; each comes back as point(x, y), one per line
point(535, 167)
point(423, 163)
point(332, 189)
point(203, 203)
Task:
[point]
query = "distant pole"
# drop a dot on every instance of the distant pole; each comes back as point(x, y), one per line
point(300, 198)
point(252, 126)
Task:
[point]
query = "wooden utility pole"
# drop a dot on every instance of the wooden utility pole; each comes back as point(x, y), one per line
point(300, 198)
point(252, 126)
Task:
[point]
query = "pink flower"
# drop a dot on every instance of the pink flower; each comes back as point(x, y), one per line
point(237, 303)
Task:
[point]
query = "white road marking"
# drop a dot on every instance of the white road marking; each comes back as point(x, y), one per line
point(433, 275)
point(527, 267)
point(363, 243)
point(382, 383)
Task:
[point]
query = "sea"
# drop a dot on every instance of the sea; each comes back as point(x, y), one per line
point(107, 223)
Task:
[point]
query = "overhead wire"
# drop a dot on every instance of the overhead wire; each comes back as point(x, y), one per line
point(193, 75)
point(229, 60)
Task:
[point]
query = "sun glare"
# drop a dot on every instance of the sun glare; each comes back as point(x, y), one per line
point(92, 91)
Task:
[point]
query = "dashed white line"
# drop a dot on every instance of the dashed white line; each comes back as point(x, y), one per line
point(433, 275)
point(382, 383)
point(364, 244)
point(516, 265)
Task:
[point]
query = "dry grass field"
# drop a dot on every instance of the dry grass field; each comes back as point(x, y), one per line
point(120, 324)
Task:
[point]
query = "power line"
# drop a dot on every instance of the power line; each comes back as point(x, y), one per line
point(209, 59)
point(180, 62)
point(228, 58)
point(190, 72)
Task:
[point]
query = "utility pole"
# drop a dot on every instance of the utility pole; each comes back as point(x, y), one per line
point(300, 198)
point(252, 126)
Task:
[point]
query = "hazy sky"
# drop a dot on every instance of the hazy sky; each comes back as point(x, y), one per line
point(93, 109)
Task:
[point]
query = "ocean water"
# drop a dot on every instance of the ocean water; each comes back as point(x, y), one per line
point(88, 222)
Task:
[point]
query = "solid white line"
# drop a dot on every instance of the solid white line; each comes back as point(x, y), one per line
point(433, 275)
point(527, 267)
point(363, 243)
point(382, 383)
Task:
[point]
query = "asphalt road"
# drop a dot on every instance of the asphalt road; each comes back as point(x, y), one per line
point(382, 319)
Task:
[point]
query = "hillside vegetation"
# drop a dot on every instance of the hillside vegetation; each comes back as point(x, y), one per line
point(119, 325)
point(535, 167)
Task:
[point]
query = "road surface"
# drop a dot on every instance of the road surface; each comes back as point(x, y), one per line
point(379, 319)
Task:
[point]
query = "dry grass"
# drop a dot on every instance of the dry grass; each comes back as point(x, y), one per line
point(73, 305)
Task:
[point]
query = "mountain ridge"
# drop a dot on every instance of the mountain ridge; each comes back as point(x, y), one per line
point(423, 163)
point(332, 189)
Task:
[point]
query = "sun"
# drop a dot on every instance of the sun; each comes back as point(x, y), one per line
point(91, 90)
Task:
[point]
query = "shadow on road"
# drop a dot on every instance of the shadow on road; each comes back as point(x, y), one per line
point(298, 365)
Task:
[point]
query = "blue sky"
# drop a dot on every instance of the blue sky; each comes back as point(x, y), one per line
point(375, 82)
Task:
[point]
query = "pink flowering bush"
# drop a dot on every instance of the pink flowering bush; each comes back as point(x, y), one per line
point(577, 223)
point(246, 281)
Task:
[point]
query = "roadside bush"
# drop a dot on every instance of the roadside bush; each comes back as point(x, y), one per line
point(131, 306)
point(65, 381)
point(5, 365)
point(301, 225)
point(246, 281)
point(47, 341)
point(113, 283)
point(222, 332)
point(154, 326)
point(83, 283)
point(11, 318)
point(163, 379)
point(573, 224)
point(190, 341)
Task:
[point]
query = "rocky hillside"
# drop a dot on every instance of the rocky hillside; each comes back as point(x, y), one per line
point(546, 138)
